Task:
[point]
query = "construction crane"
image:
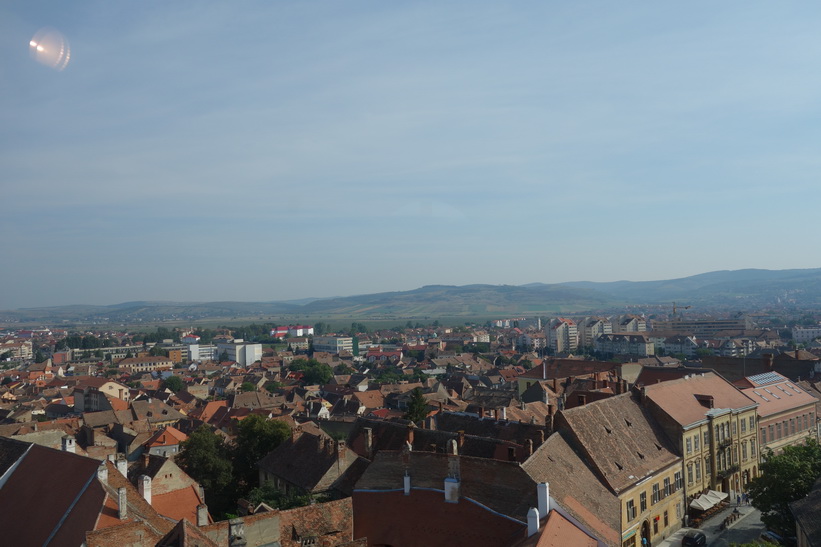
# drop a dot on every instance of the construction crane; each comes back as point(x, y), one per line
point(679, 308)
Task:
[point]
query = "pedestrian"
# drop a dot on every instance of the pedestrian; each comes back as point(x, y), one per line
point(746, 498)
point(643, 542)
point(738, 500)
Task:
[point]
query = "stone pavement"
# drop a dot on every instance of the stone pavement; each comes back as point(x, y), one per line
point(711, 527)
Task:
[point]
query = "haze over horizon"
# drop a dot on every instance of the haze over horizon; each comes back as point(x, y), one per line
point(204, 152)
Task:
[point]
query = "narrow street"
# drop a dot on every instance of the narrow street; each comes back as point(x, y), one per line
point(744, 531)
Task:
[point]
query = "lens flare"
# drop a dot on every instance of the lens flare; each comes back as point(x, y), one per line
point(49, 47)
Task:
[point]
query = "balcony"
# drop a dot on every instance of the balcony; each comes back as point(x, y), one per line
point(725, 443)
point(726, 473)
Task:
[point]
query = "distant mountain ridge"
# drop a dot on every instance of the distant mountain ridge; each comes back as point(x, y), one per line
point(739, 289)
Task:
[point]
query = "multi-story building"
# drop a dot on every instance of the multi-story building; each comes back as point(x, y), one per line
point(714, 425)
point(704, 328)
point(562, 335)
point(148, 363)
point(636, 344)
point(786, 413)
point(333, 344)
point(244, 353)
point(802, 335)
point(629, 453)
point(591, 328)
point(17, 349)
point(629, 323)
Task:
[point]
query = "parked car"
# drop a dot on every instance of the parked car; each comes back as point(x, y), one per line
point(771, 537)
point(694, 538)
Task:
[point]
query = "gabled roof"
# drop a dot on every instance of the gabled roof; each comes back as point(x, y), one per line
point(623, 442)
point(576, 488)
point(677, 398)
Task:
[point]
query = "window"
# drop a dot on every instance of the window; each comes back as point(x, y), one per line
point(752, 423)
point(698, 471)
point(708, 470)
point(695, 442)
point(666, 520)
point(643, 502)
point(689, 473)
point(679, 481)
point(743, 426)
point(752, 448)
point(655, 526)
point(792, 426)
point(631, 510)
point(706, 438)
point(656, 496)
point(771, 432)
point(744, 451)
point(667, 488)
point(734, 428)
point(764, 435)
point(805, 422)
point(688, 443)
point(778, 430)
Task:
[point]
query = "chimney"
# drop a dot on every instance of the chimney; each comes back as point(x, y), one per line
point(202, 515)
point(543, 492)
point(453, 480)
point(768, 361)
point(511, 453)
point(544, 369)
point(555, 385)
point(540, 437)
point(341, 449)
point(796, 354)
point(236, 533)
point(145, 488)
point(122, 503)
point(411, 427)
point(481, 412)
point(146, 459)
point(503, 412)
point(68, 444)
point(368, 442)
point(102, 473)
point(296, 432)
point(461, 437)
point(532, 522)
point(406, 483)
point(122, 465)
point(528, 447)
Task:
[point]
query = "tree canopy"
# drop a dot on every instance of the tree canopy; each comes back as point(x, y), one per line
point(314, 371)
point(174, 383)
point(417, 406)
point(785, 477)
point(256, 437)
point(207, 458)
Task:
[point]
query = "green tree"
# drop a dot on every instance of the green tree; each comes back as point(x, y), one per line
point(223, 356)
point(784, 478)
point(417, 406)
point(207, 458)
point(256, 437)
point(269, 494)
point(157, 351)
point(39, 356)
point(247, 386)
point(174, 383)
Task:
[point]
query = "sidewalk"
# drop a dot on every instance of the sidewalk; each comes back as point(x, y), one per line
point(711, 527)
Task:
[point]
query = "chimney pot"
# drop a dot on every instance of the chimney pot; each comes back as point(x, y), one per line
point(532, 522)
point(202, 515)
point(145, 488)
point(122, 503)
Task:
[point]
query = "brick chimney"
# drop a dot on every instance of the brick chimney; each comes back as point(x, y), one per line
point(68, 444)
point(528, 448)
point(102, 473)
point(236, 533)
point(341, 449)
point(202, 515)
point(122, 503)
point(368, 433)
point(145, 488)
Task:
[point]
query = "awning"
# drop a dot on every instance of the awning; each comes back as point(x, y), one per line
point(708, 500)
point(701, 503)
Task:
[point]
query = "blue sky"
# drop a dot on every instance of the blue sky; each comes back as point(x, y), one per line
point(276, 150)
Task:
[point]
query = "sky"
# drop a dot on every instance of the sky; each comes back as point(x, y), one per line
point(276, 150)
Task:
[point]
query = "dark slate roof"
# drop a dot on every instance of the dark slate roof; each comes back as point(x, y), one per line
point(516, 432)
point(623, 441)
point(806, 511)
point(10, 451)
point(314, 463)
point(54, 493)
point(575, 487)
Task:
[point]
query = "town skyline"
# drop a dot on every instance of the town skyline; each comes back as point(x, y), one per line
point(286, 151)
